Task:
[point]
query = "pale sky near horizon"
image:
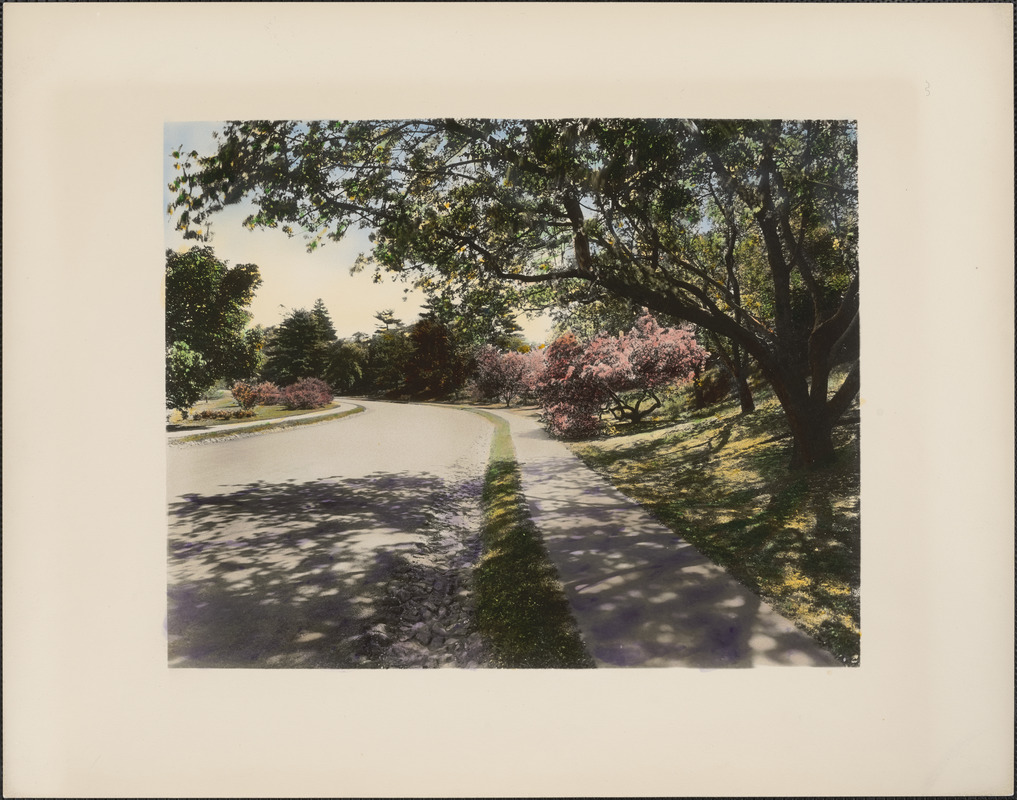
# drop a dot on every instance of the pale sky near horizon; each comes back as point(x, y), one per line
point(292, 277)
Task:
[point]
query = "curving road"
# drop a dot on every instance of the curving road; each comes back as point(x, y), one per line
point(351, 544)
point(343, 544)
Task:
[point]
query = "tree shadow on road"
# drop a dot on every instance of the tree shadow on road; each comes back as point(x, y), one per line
point(292, 574)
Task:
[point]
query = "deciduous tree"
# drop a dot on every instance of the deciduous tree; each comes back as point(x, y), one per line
point(186, 377)
point(206, 317)
point(347, 360)
point(436, 367)
point(506, 376)
point(602, 207)
point(624, 374)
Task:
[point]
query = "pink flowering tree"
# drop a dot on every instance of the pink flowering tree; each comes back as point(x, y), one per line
point(623, 375)
point(506, 376)
point(570, 399)
point(527, 367)
point(635, 366)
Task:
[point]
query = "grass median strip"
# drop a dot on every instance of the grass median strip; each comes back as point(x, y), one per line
point(522, 611)
point(268, 426)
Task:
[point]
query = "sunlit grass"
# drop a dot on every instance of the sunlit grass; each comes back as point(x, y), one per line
point(273, 426)
point(722, 481)
point(262, 413)
point(522, 611)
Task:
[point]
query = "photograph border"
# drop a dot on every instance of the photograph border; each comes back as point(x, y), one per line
point(91, 708)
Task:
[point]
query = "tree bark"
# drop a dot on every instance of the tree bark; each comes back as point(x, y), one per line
point(745, 399)
point(813, 444)
point(737, 365)
point(810, 420)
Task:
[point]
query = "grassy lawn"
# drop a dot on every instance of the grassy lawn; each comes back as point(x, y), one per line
point(222, 433)
point(262, 413)
point(521, 609)
point(721, 481)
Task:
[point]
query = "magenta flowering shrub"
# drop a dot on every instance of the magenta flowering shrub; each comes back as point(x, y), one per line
point(307, 393)
point(487, 378)
point(620, 374)
point(570, 400)
point(268, 394)
point(244, 394)
point(263, 394)
point(571, 421)
point(530, 368)
point(635, 365)
point(506, 376)
point(224, 413)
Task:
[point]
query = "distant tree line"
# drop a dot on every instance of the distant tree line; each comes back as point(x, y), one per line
point(603, 360)
point(209, 340)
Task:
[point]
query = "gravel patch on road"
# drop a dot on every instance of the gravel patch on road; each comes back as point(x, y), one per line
point(337, 547)
point(429, 603)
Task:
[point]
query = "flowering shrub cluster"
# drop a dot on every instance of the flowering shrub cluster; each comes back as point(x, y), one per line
point(570, 400)
point(244, 394)
point(615, 373)
point(506, 376)
point(268, 394)
point(250, 395)
point(225, 414)
point(307, 393)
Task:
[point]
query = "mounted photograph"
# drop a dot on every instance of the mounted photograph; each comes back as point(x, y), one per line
point(512, 393)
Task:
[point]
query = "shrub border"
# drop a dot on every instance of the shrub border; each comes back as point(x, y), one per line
point(234, 433)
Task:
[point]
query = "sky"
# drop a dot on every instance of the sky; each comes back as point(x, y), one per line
point(292, 277)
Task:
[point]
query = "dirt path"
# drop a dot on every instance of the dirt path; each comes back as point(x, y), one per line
point(641, 595)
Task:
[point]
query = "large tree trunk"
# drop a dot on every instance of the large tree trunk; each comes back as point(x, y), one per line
point(745, 399)
point(811, 417)
point(813, 438)
point(737, 365)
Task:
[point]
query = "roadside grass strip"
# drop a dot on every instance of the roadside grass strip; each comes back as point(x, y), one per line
point(223, 404)
point(722, 483)
point(227, 433)
point(522, 611)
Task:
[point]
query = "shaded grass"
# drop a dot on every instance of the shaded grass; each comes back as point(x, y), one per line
point(722, 482)
point(522, 611)
point(231, 433)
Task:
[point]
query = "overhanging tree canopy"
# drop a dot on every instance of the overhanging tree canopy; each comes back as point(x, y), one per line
point(746, 229)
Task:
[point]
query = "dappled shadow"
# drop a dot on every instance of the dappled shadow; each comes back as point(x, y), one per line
point(791, 536)
point(641, 594)
point(292, 574)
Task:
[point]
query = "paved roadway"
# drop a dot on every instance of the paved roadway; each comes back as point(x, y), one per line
point(350, 543)
point(285, 547)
